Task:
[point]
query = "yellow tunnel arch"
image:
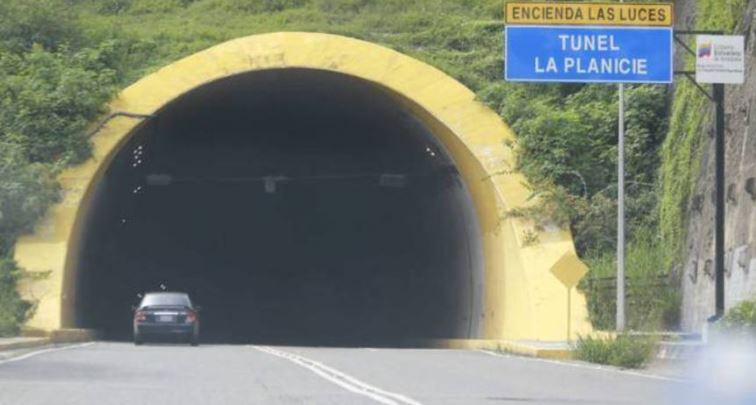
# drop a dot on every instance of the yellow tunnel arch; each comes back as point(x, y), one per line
point(528, 287)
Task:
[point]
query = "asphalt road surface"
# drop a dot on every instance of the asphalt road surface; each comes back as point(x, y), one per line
point(119, 373)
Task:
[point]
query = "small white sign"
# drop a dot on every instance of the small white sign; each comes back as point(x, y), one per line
point(720, 59)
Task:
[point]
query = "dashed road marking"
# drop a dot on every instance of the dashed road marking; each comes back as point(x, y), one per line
point(341, 379)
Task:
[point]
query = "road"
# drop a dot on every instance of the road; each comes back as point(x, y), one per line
point(119, 373)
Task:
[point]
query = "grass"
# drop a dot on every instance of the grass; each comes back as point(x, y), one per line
point(653, 298)
point(455, 36)
point(622, 351)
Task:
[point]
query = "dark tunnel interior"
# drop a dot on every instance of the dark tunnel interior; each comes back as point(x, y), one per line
point(296, 207)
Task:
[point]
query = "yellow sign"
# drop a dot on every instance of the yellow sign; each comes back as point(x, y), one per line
point(569, 270)
point(625, 14)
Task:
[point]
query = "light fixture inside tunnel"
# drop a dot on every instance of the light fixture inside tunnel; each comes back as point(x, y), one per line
point(159, 179)
point(393, 180)
point(271, 182)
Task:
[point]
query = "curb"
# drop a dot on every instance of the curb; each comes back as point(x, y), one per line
point(507, 346)
point(679, 351)
point(59, 336)
point(27, 343)
point(73, 335)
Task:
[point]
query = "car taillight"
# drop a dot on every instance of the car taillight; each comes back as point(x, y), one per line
point(191, 317)
point(140, 316)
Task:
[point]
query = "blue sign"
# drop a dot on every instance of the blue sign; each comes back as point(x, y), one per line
point(588, 54)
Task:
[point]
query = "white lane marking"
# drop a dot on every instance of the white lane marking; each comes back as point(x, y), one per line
point(38, 352)
point(583, 366)
point(341, 379)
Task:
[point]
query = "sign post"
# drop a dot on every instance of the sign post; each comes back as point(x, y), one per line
point(592, 43)
point(620, 310)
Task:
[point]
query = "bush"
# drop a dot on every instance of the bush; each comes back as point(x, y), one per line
point(25, 23)
point(623, 351)
point(26, 190)
point(653, 298)
point(48, 99)
point(258, 6)
point(51, 89)
point(13, 310)
point(741, 318)
point(157, 6)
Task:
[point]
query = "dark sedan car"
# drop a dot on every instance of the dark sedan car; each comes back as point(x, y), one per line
point(166, 315)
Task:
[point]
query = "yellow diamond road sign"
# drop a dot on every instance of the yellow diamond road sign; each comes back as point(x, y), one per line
point(569, 270)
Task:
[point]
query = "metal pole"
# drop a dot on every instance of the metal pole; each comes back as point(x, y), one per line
point(569, 314)
point(719, 265)
point(621, 212)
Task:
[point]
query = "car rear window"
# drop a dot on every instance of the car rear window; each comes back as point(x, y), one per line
point(161, 299)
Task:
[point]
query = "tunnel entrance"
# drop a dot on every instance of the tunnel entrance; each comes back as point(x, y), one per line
point(296, 206)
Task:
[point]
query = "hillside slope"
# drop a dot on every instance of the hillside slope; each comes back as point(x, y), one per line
point(696, 265)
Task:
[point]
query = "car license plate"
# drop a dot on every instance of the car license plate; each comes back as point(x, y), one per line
point(165, 318)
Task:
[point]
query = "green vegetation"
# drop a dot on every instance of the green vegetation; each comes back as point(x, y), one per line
point(567, 144)
point(741, 318)
point(681, 151)
point(12, 309)
point(657, 216)
point(681, 155)
point(622, 351)
point(51, 86)
point(61, 60)
point(567, 148)
point(652, 296)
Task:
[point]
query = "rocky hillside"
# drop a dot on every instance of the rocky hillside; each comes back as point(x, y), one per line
point(697, 263)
